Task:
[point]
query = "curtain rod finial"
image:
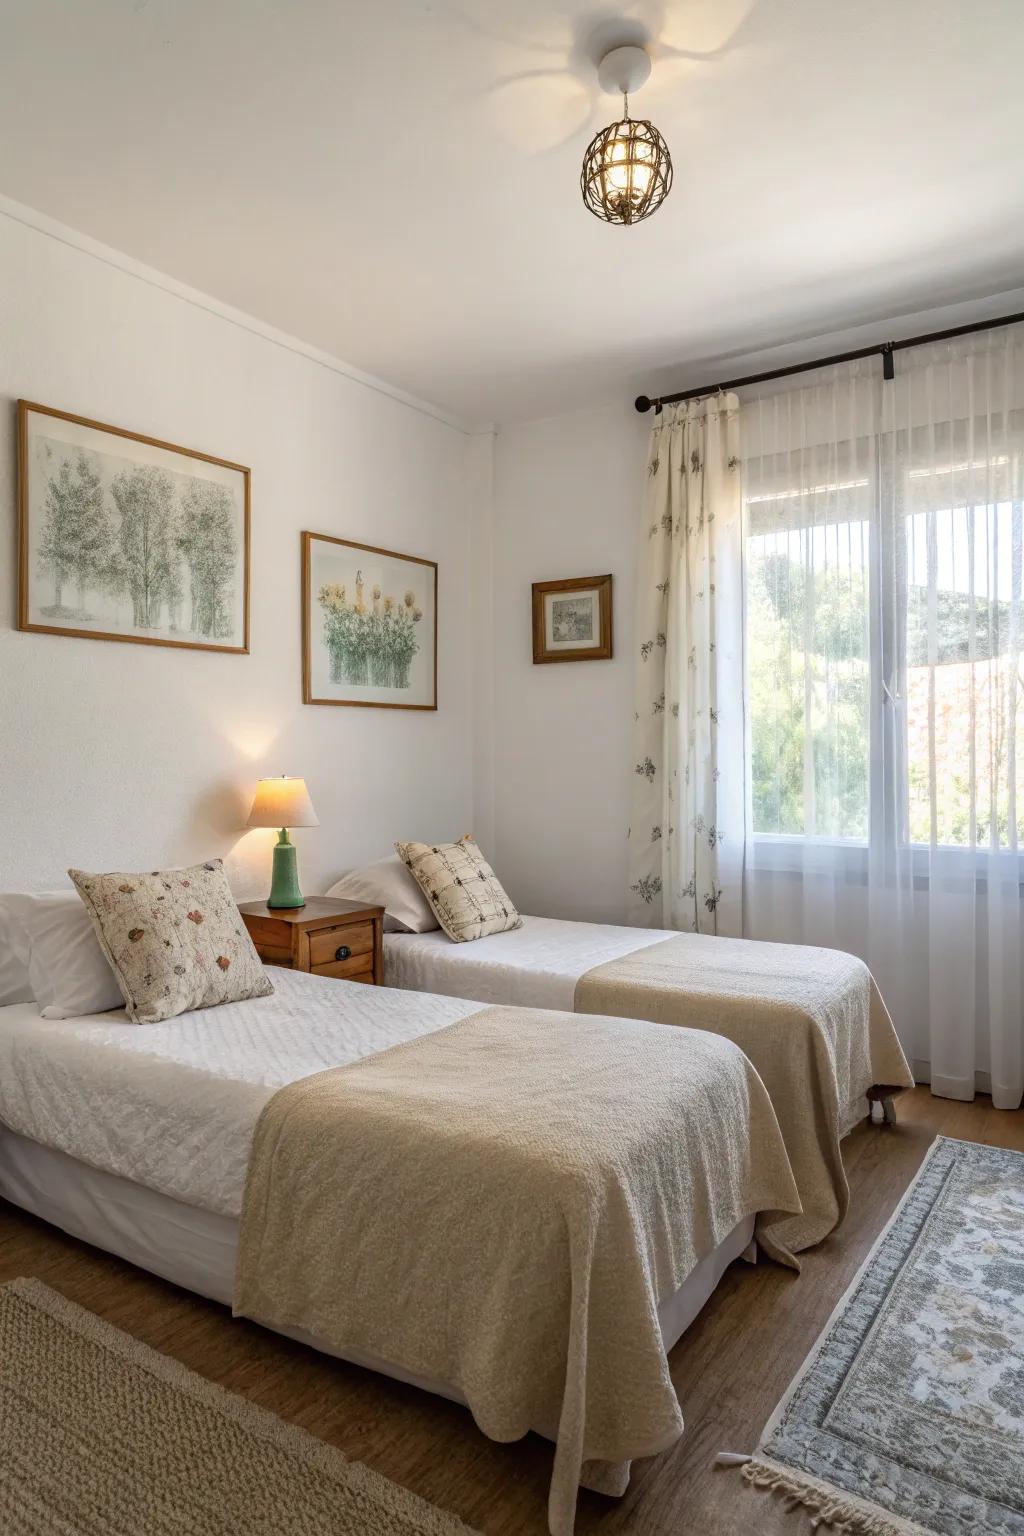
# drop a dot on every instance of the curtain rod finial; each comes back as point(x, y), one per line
point(642, 403)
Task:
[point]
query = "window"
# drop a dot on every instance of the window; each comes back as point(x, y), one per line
point(807, 638)
point(807, 573)
point(883, 590)
point(964, 700)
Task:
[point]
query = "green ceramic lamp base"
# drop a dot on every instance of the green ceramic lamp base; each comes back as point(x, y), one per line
point(284, 886)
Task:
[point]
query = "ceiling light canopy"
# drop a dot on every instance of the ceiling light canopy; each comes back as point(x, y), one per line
point(627, 169)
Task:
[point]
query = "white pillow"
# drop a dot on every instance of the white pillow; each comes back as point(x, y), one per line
point(388, 884)
point(15, 986)
point(67, 969)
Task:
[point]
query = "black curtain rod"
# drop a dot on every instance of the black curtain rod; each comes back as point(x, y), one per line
point(883, 349)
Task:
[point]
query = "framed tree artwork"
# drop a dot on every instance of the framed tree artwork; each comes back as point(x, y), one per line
point(124, 537)
point(369, 625)
point(572, 619)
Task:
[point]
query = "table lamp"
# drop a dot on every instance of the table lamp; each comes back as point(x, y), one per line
point(283, 802)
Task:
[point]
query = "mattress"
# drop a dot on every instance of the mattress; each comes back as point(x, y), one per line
point(537, 965)
point(173, 1106)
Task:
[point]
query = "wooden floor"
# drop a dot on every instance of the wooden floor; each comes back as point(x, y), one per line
point(730, 1368)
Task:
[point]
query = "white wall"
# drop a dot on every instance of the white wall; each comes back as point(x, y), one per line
point(115, 755)
point(565, 504)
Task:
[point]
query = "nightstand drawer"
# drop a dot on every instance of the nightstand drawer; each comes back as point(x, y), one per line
point(358, 968)
point(327, 946)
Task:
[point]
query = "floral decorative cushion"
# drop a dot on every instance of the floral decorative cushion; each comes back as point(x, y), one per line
point(466, 895)
point(174, 938)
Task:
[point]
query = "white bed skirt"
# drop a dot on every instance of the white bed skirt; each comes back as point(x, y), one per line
point(196, 1249)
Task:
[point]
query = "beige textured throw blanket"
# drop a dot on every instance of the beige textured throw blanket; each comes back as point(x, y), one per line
point(502, 1206)
point(812, 1022)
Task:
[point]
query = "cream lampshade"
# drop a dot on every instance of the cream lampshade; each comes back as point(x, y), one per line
point(283, 802)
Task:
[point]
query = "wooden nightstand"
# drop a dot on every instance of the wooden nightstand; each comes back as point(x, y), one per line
point(327, 937)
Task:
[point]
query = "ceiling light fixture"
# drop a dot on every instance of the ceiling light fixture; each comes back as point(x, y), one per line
point(627, 169)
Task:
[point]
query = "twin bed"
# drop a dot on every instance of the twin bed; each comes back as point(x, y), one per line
point(521, 1210)
point(810, 1020)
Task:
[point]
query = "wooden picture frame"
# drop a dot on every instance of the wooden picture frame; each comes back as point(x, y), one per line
point(362, 612)
point(126, 531)
point(567, 627)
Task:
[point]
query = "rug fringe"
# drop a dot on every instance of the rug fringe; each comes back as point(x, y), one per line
point(839, 1512)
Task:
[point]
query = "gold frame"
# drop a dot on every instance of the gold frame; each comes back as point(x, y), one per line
point(24, 623)
point(307, 615)
point(600, 652)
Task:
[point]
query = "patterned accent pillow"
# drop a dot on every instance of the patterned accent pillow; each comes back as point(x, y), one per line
point(174, 938)
point(462, 888)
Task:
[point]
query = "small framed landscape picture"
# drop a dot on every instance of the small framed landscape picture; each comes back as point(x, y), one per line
point(369, 625)
point(572, 620)
point(124, 537)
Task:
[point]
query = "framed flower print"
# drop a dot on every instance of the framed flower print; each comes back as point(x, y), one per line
point(369, 625)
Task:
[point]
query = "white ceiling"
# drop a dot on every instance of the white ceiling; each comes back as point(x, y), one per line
point(397, 183)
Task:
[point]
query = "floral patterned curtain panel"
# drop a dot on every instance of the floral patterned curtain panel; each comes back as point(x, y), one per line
point(687, 827)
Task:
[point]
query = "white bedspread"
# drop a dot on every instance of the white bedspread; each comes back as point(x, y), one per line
point(173, 1106)
point(537, 965)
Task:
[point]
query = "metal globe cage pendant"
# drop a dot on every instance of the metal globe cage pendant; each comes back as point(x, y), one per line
point(627, 169)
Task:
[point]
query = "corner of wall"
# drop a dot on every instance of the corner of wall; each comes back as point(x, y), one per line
point(479, 490)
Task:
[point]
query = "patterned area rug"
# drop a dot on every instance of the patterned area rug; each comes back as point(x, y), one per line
point(100, 1435)
point(908, 1415)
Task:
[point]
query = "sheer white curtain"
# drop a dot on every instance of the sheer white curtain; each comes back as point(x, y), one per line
point(885, 690)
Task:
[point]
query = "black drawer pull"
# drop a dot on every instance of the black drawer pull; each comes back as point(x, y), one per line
point(342, 952)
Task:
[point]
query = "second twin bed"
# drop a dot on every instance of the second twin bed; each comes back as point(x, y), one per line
point(810, 1020)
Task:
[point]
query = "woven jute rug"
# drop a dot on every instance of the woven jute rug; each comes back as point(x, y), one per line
point(908, 1415)
point(102, 1436)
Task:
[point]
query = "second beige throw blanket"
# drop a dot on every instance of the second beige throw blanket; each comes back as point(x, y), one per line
point(812, 1022)
point(503, 1205)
